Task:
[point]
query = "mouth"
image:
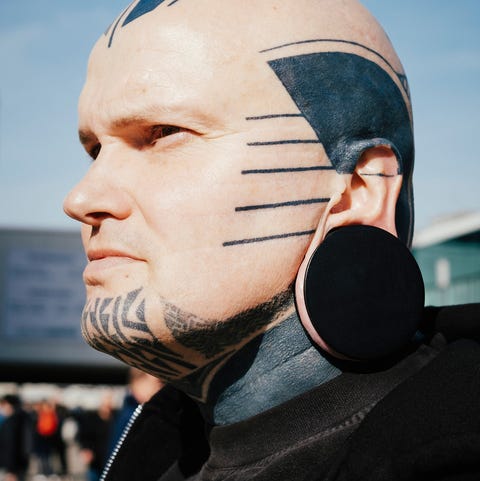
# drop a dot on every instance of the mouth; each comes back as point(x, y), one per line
point(101, 254)
point(102, 261)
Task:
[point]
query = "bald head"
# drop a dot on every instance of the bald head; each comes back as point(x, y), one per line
point(253, 24)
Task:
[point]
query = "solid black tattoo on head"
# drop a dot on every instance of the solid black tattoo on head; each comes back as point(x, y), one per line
point(351, 104)
point(142, 7)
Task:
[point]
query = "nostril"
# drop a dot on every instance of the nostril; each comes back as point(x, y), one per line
point(95, 219)
point(99, 215)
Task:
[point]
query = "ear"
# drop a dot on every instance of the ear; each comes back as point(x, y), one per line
point(368, 196)
point(370, 193)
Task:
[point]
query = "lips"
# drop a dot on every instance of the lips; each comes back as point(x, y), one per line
point(101, 254)
point(102, 261)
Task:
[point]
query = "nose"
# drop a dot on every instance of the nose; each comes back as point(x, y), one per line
point(98, 196)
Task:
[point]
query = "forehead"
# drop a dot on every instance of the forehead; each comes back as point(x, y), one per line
point(169, 64)
point(209, 54)
point(169, 58)
point(200, 51)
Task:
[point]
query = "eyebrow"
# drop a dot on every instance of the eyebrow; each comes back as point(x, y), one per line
point(86, 136)
point(128, 121)
point(152, 116)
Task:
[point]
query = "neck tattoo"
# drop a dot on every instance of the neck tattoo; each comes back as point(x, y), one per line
point(119, 327)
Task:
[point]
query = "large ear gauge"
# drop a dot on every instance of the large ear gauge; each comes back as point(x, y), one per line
point(363, 294)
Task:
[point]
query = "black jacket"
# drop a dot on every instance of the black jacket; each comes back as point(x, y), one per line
point(165, 434)
point(420, 421)
point(16, 433)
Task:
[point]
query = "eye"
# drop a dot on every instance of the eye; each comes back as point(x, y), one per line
point(159, 131)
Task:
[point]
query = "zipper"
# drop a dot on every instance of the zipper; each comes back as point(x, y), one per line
point(118, 446)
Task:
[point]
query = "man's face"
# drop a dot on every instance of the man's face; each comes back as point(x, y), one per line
point(190, 204)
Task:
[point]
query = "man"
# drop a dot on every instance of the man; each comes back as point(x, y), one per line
point(15, 438)
point(228, 140)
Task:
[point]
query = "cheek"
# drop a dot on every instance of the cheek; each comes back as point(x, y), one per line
point(207, 274)
point(217, 283)
point(223, 240)
point(85, 234)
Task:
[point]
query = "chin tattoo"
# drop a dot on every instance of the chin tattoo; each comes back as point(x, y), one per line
point(118, 326)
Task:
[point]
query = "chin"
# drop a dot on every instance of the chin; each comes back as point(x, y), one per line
point(111, 287)
point(117, 325)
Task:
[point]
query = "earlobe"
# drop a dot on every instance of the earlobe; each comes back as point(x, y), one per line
point(366, 197)
point(371, 192)
point(362, 295)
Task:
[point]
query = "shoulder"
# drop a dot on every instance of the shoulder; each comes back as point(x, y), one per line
point(427, 425)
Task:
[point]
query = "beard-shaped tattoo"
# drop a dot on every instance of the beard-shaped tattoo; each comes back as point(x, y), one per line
point(118, 326)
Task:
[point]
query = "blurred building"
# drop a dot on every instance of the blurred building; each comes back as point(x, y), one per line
point(448, 253)
point(41, 298)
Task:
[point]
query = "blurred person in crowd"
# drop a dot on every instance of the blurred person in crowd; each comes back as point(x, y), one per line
point(170, 425)
point(15, 438)
point(141, 387)
point(45, 434)
point(246, 217)
point(59, 446)
point(94, 434)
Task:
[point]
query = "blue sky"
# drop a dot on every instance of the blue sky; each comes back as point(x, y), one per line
point(44, 46)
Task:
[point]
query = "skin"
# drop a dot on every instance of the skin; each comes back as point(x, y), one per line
point(193, 253)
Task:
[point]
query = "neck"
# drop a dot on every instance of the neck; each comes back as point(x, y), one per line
point(273, 368)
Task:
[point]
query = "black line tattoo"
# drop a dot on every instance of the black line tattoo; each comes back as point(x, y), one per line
point(282, 142)
point(400, 75)
point(336, 92)
point(110, 40)
point(282, 204)
point(273, 116)
point(339, 93)
point(281, 170)
point(268, 238)
point(141, 8)
point(278, 170)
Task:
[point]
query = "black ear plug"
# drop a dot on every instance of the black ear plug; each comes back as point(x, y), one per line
point(364, 293)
